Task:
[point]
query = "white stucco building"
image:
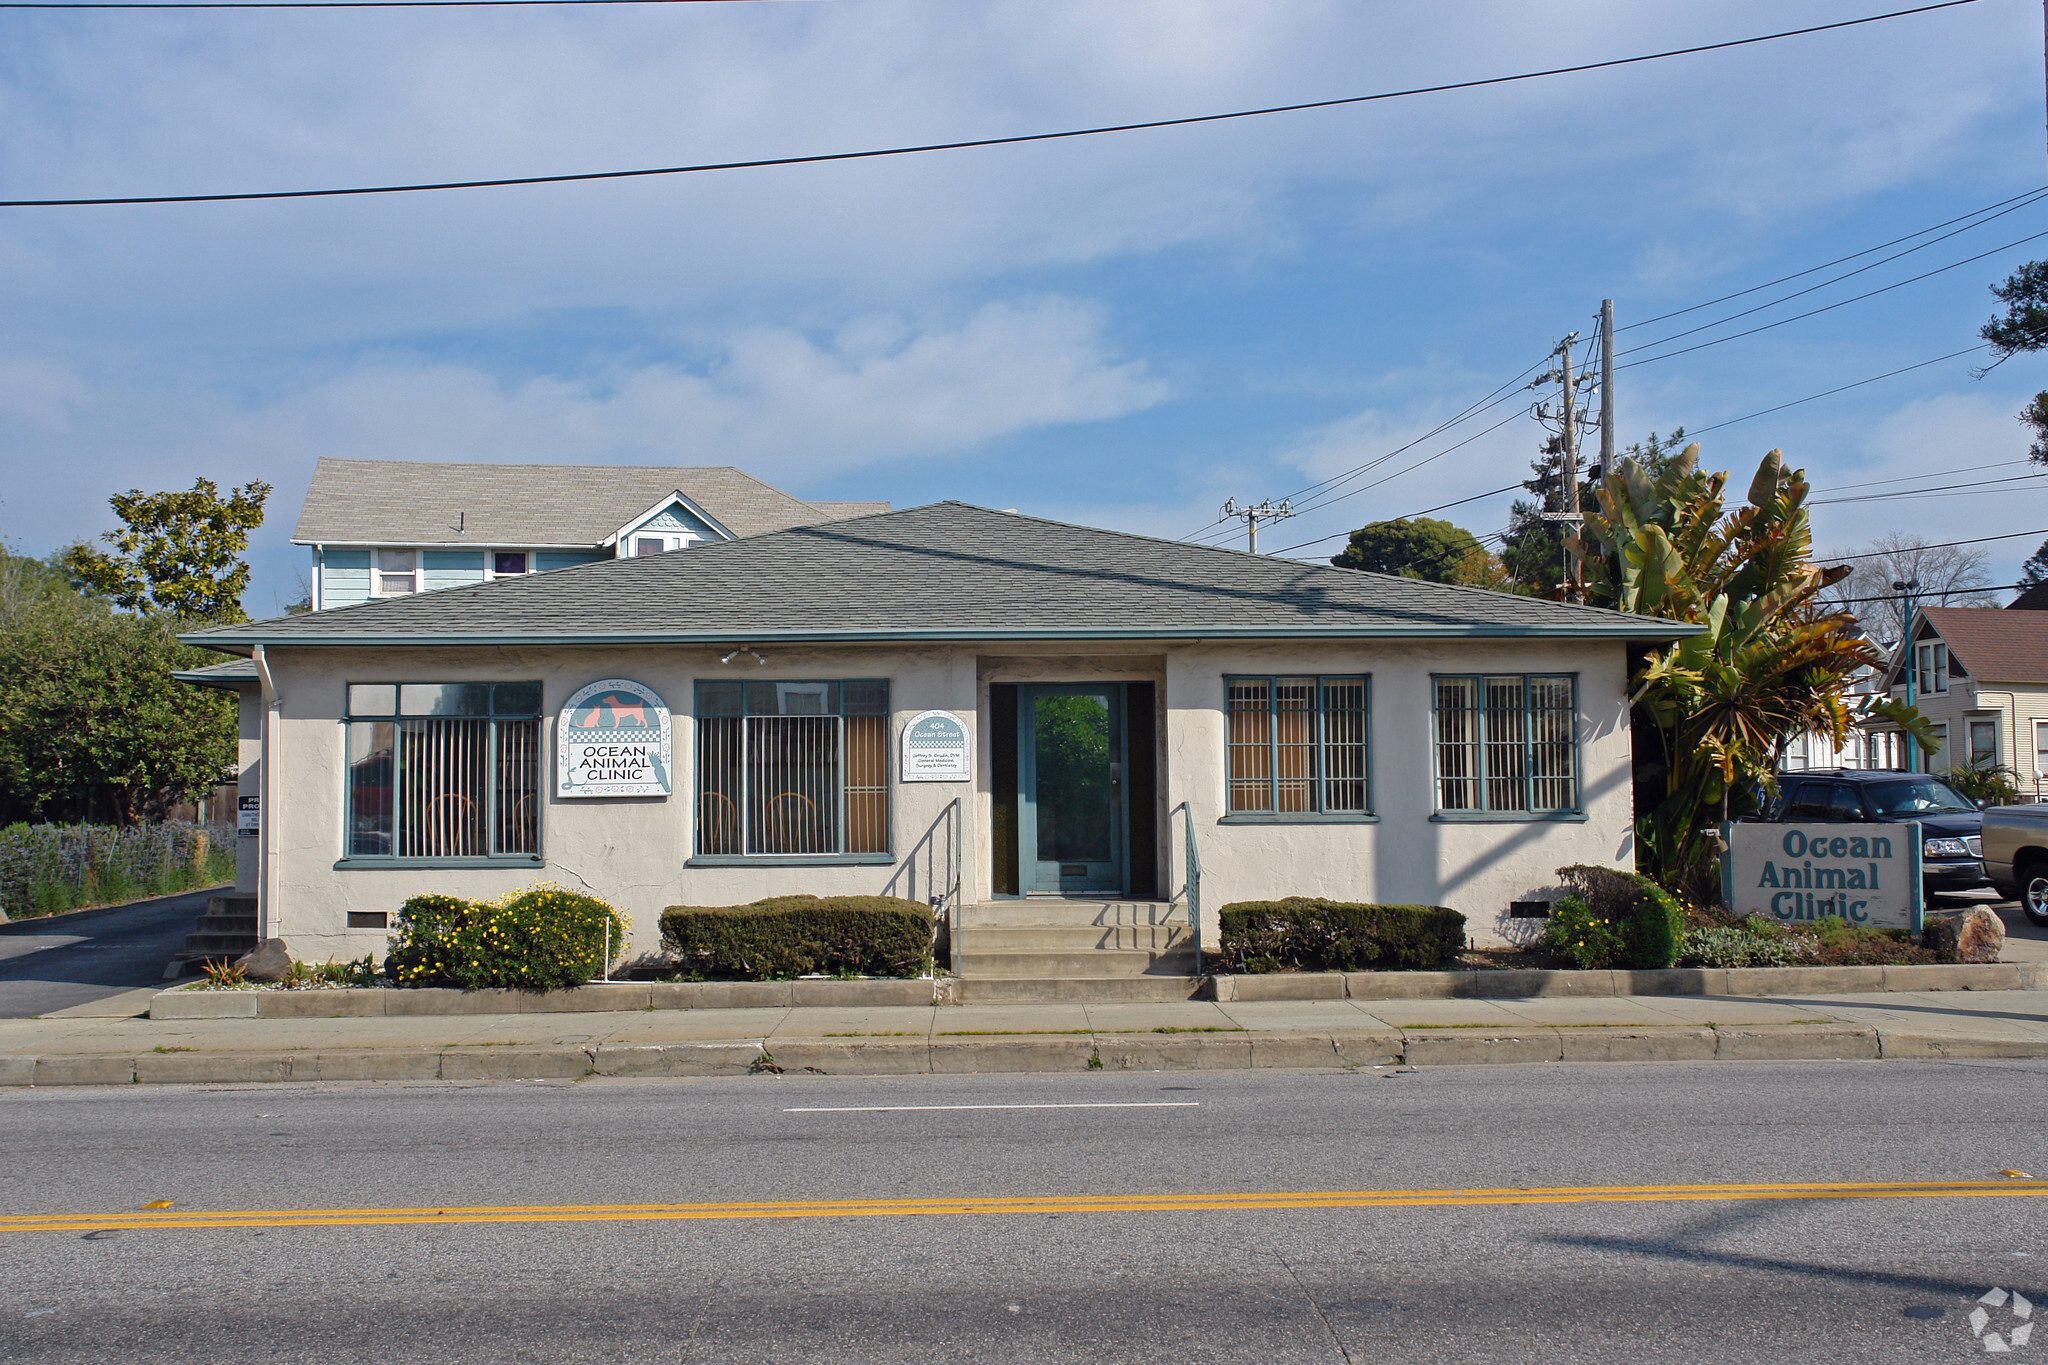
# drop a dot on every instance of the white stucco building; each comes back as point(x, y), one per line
point(1315, 731)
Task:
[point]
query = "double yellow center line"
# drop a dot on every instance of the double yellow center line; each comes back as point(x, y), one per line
point(1000, 1205)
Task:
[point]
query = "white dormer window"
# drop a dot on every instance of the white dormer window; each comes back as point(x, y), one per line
point(661, 544)
point(397, 573)
point(1933, 668)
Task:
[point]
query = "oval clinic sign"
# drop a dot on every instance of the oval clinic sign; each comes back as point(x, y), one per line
point(613, 739)
point(1866, 874)
point(935, 749)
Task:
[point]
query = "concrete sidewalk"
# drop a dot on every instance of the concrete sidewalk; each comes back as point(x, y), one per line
point(896, 1040)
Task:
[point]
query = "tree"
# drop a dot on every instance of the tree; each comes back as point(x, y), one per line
point(90, 718)
point(1713, 709)
point(178, 552)
point(1532, 550)
point(2035, 570)
point(1423, 548)
point(1948, 575)
point(2024, 328)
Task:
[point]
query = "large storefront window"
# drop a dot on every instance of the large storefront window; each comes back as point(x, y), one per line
point(1507, 744)
point(792, 768)
point(444, 770)
point(1298, 746)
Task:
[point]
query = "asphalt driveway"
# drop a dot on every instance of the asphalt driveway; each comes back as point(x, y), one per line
point(67, 960)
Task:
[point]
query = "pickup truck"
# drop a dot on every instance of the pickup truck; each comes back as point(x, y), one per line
point(2016, 856)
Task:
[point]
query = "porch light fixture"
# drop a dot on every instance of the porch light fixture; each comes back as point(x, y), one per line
point(730, 655)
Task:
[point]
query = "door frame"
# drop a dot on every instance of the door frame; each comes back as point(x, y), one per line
point(1027, 775)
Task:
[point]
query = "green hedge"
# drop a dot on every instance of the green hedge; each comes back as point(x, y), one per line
point(1613, 918)
point(1310, 934)
point(790, 936)
point(543, 937)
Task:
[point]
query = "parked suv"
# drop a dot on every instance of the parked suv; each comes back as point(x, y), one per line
point(1952, 851)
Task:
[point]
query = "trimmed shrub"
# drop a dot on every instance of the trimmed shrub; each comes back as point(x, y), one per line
point(1647, 923)
point(542, 938)
point(1309, 934)
point(790, 936)
point(1839, 943)
point(1745, 943)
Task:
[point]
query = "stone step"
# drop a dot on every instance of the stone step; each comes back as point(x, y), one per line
point(1015, 990)
point(1100, 962)
point(226, 924)
point(1037, 910)
point(231, 904)
point(1055, 938)
point(220, 944)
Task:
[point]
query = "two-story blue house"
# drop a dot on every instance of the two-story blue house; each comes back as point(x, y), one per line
point(388, 528)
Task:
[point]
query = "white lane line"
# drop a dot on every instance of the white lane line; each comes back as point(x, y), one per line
point(914, 1108)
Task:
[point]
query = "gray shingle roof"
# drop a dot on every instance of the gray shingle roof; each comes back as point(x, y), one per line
point(945, 571)
point(231, 674)
point(408, 502)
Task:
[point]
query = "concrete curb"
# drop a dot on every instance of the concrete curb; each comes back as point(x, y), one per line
point(611, 997)
point(596, 998)
point(1741, 981)
point(1080, 1052)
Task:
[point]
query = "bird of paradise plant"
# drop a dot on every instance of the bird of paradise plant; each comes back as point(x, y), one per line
point(1714, 708)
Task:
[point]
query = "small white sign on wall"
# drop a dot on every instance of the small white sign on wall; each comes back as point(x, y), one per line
point(935, 749)
point(613, 738)
point(248, 815)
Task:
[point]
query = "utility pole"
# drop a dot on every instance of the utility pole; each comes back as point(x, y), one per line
point(1905, 590)
point(1607, 379)
point(1265, 511)
point(1568, 449)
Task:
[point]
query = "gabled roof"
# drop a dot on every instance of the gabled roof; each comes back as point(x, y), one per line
point(1994, 644)
point(946, 571)
point(409, 502)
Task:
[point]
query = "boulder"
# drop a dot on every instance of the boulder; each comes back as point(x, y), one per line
point(269, 962)
point(1980, 933)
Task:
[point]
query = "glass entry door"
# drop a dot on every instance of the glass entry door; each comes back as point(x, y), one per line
point(1070, 746)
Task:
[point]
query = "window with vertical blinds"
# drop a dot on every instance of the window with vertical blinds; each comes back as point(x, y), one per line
point(1297, 746)
point(444, 770)
point(1507, 743)
point(793, 768)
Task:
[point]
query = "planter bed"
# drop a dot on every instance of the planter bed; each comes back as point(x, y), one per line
point(1733, 981)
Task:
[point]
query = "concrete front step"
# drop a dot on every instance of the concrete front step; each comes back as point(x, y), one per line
point(226, 924)
point(1058, 938)
point(220, 945)
point(1144, 990)
point(1095, 963)
point(1049, 911)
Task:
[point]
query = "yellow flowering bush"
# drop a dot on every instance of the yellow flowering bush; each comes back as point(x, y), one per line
point(1591, 940)
point(542, 938)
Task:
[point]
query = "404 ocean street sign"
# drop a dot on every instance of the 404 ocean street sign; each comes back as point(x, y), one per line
point(613, 738)
point(1866, 874)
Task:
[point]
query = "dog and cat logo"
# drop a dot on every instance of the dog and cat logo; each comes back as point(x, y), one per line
point(614, 739)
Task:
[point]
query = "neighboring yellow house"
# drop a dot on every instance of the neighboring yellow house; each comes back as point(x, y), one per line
point(1980, 675)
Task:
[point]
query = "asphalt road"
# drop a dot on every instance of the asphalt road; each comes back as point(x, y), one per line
point(75, 959)
point(1727, 1280)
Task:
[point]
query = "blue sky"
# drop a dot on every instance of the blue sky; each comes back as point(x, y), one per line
point(1122, 330)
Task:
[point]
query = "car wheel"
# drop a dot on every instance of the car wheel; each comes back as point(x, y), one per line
point(2034, 892)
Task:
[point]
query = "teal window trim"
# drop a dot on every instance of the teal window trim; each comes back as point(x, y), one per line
point(1508, 817)
point(791, 860)
point(736, 751)
point(512, 861)
point(1482, 745)
point(1319, 742)
point(492, 717)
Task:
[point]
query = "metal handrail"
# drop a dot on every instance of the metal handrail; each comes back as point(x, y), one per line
point(1194, 882)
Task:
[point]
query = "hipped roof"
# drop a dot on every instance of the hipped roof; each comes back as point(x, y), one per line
point(406, 502)
point(945, 571)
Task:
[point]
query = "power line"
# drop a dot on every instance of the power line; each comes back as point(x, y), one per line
point(1847, 274)
point(1440, 507)
point(1907, 478)
point(1824, 265)
point(966, 144)
point(1977, 490)
point(1829, 393)
point(346, 4)
point(1944, 545)
point(1829, 308)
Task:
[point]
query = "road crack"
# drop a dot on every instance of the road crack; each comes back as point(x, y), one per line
point(1335, 1342)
